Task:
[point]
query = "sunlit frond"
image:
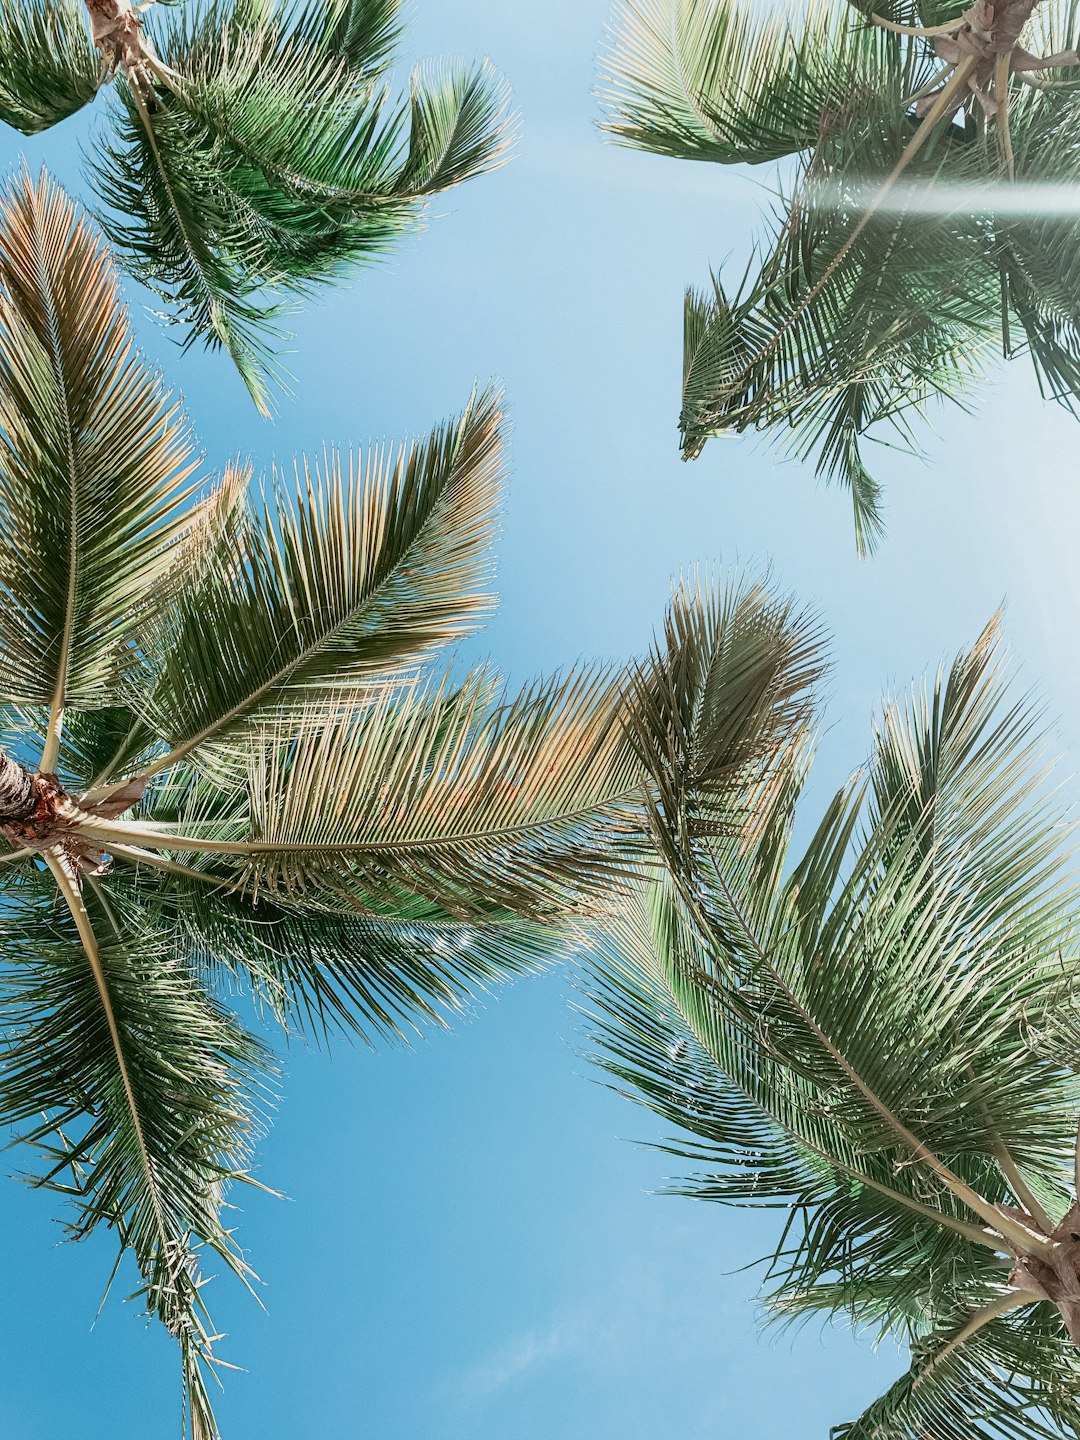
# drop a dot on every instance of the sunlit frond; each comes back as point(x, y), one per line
point(349, 574)
point(740, 83)
point(95, 463)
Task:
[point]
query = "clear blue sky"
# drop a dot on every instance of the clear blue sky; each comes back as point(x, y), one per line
point(469, 1250)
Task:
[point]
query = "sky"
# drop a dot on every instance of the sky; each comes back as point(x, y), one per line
point(470, 1247)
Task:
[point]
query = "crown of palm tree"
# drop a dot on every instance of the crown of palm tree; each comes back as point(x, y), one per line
point(876, 1035)
point(902, 252)
point(252, 148)
point(231, 757)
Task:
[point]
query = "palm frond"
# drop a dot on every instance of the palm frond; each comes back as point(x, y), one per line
point(275, 160)
point(95, 462)
point(1015, 1377)
point(483, 805)
point(877, 1036)
point(375, 976)
point(48, 68)
point(901, 255)
point(149, 1091)
point(738, 83)
point(350, 576)
point(721, 707)
point(458, 123)
point(182, 232)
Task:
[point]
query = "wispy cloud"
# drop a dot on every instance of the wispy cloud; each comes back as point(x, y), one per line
point(523, 1356)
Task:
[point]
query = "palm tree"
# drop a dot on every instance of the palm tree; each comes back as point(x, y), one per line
point(253, 150)
point(231, 760)
point(875, 1034)
point(920, 225)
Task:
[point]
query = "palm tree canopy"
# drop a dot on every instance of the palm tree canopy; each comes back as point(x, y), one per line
point(251, 150)
point(235, 758)
point(907, 245)
point(874, 1033)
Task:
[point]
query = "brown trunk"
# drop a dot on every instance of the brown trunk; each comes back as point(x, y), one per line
point(1056, 1277)
point(1004, 19)
point(17, 798)
point(117, 32)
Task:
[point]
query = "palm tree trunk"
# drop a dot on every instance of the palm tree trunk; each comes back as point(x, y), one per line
point(110, 20)
point(1003, 19)
point(116, 31)
point(17, 798)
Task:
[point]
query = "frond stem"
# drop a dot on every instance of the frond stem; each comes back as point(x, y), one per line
point(23, 854)
point(107, 830)
point(1019, 1235)
point(1011, 1300)
point(68, 886)
point(923, 32)
point(1019, 1186)
point(911, 149)
point(139, 856)
point(1002, 67)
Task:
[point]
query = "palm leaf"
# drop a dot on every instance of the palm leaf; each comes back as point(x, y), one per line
point(1013, 1378)
point(147, 1086)
point(875, 1036)
point(376, 976)
point(709, 80)
point(275, 161)
point(896, 259)
point(94, 463)
point(48, 68)
point(351, 576)
point(482, 805)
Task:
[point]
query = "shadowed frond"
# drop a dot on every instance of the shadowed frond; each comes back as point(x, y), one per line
point(48, 68)
point(319, 972)
point(148, 1088)
point(1006, 1371)
point(721, 706)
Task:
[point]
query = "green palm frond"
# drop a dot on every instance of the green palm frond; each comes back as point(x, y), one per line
point(1014, 1378)
point(353, 574)
point(365, 32)
point(900, 256)
point(227, 768)
point(319, 972)
point(182, 232)
point(48, 68)
point(876, 1036)
point(891, 331)
point(457, 129)
point(708, 80)
point(95, 463)
point(151, 1095)
point(271, 158)
point(721, 706)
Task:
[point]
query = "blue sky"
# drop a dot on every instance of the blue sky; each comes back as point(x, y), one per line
point(469, 1248)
